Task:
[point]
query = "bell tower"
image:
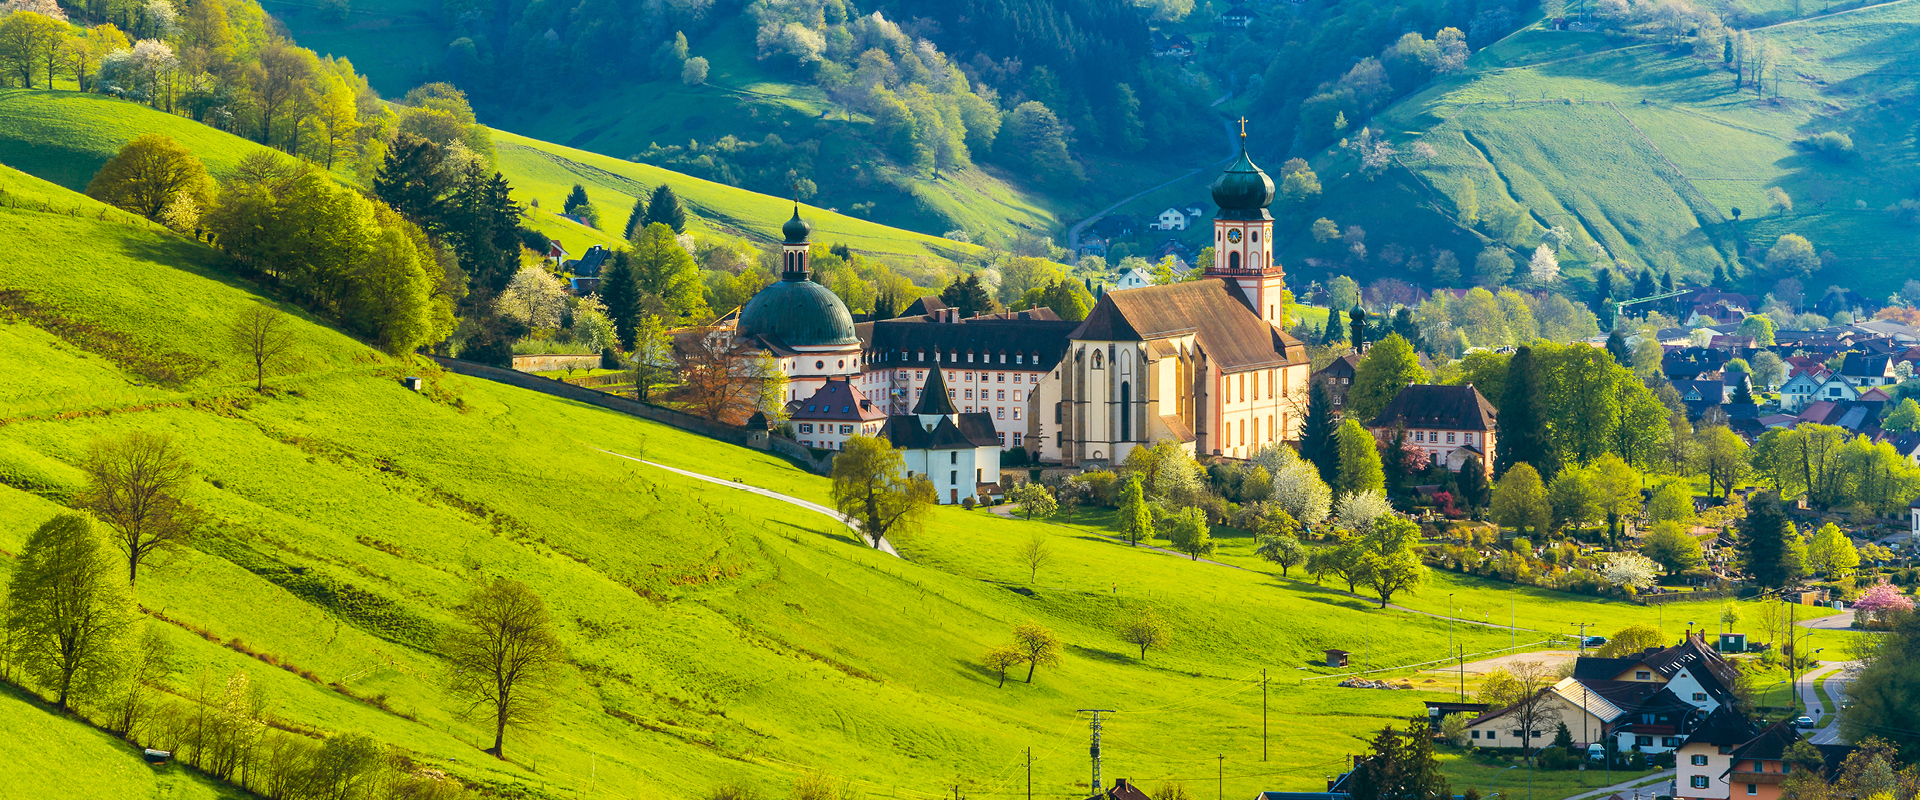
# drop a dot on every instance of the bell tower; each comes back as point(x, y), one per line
point(795, 249)
point(1243, 236)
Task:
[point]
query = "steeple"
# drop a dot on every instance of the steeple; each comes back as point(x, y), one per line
point(795, 249)
point(1243, 237)
point(934, 402)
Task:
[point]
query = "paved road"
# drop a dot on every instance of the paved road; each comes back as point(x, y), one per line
point(1829, 733)
point(1650, 785)
point(1842, 621)
point(885, 546)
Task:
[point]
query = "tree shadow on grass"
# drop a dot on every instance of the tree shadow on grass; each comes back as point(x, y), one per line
point(1107, 656)
point(842, 535)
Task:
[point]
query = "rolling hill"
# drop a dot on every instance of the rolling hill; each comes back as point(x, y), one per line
point(64, 137)
point(714, 635)
point(1638, 146)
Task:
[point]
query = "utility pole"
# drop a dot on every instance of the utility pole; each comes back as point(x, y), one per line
point(1221, 776)
point(1029, 773)
point(1583, 635)
point(1263, 717)
point(1094, 751)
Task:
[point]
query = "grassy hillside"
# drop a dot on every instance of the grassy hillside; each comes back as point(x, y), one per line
point(1646, 150)
point(714, 634)
point(395, 42)
point(64, 137)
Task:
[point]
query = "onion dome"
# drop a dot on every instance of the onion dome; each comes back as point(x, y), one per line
point(796, 229)
point(1243, 191)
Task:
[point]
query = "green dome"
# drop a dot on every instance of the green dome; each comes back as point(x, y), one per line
point(796, 229)
point(798, 313)
point(1243, 191)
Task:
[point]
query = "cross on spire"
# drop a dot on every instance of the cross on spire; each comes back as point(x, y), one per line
point(1243, 127)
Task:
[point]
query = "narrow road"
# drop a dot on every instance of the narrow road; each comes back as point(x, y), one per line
point(885, 546)
point(1007, 510)
point(1073, 233)
point(1830, 732)
point(1648, 786)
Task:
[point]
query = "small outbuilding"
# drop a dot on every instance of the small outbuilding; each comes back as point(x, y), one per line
point(1337, 658)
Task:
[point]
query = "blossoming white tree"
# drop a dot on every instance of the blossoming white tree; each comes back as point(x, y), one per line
point(1630, 569)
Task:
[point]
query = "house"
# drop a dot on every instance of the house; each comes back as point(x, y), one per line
point(1907, 444)
point(1178, 45)
point(1338, 377)
point(1758, 767)
point(556, 253)
point(959, 452)
point(996, 364)
point(1704, 759)
point(833, 414)
point(1133, 278)
point(1449, 424)
point(1201, 362)
point(1236, 17)
point(1093, 246)
point(1179, 218)
point(1715, 314)
point(1867, 369)
point(1649, 701)
point(590, 264)
point(1801, 389)
point(1123, 789)
point(1836, 389)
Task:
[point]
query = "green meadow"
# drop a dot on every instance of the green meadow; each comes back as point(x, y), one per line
point(1646, 150)
point(714, 635)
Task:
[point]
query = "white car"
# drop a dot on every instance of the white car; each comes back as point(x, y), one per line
point(1803, 722)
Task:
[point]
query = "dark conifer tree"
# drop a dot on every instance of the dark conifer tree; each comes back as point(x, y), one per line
point(1743, 393)
point(1720, 276)
point(1522, 419)
point(969, 295)
point(413, 181)
point(620, 290)
point(576, 199)
point(665, 209)
point(1395, 463)
point(1317, 431)
point(482, 225)
point(1767, 542)
point(1473, 482)
point(1336, 330)
point(1401, 767)
point(637, 218)
point(842, 250)
point(1644, 286)
point(1603, 289)
point(1617, 347)
point(886, 305)
point(1404, 325)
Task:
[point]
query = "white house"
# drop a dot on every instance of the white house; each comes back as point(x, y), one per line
point(834, 414)
point(1799, 392)
point(959, 452)
point(1179, 218)
point(1836, 389)
point(1133, 278)
point(1647, 701)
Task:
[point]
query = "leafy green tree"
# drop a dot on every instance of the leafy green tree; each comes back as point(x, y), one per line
point(1283, 550)
point(1758, 327)
point(666, 274)
point(1618, 486)
point(1319, 442)
point(1190, 534)
point(1037, 645)
point(1360, 469)
point(1770, 550)
point(1722, 456)
point(1630, 640)
point(27, 41)
point(1389, 561)
point(1905, 417)
point(652, 361)
point(1145, 630)
point(1672, 502)
point(1135, 519)
point(67, 612)
point(1389, 366)
point(1493, 266)
point(1885, 694)
point(871, 487)
point(1034, 500)
point(1671, 546)
point(1831, 553)
point(1520, 501)
point(503, 657)
point(1002, 658)
point(663, 208)
point(1792, 255)
point(1574, 497)
point(149, 173)
point(1522, 418)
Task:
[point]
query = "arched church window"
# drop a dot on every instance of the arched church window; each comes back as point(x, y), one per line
point(1233, 261)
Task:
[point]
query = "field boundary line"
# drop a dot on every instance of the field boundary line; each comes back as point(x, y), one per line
point(1546, 641)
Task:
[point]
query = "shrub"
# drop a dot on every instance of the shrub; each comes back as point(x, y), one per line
point(967, 503)
point(1830, 144)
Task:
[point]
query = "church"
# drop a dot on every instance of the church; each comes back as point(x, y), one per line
point(1203, 362)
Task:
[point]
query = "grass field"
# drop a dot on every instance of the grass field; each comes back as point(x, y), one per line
point(714, 634)
point(1645, 149)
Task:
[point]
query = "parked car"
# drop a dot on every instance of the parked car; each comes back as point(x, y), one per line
point(1596, 641)
point(1803, 722)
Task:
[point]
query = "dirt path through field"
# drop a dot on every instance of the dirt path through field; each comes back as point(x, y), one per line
point(885, 546)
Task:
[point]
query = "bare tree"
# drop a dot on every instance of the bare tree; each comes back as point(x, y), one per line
point(503, 657)
point(1036, 553)
point(726, 379)
point(134, 484)
point(1524, 693)
point(264, 335)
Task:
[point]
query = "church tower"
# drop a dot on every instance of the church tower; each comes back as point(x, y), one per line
point(1243, 236)
point(795, 250)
